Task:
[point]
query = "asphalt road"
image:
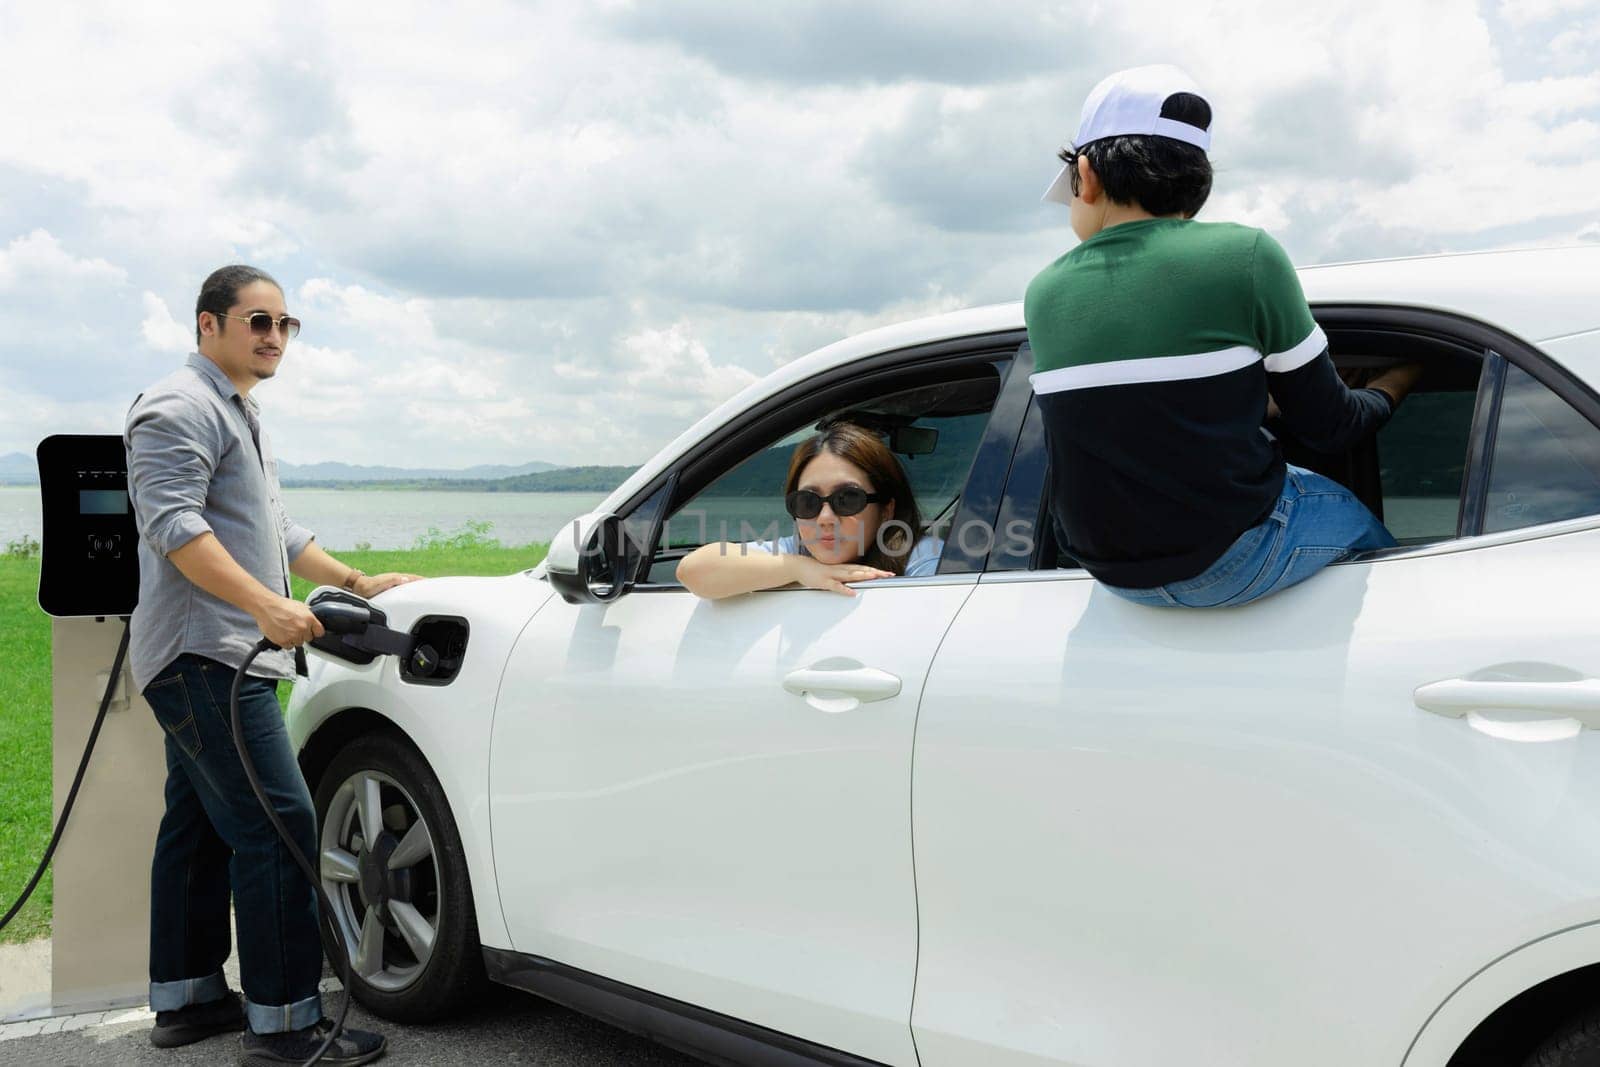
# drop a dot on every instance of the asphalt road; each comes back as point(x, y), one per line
point(509, 1027)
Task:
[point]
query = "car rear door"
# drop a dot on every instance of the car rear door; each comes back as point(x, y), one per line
point(1281, 833)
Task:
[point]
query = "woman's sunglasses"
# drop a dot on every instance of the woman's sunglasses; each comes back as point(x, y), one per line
point(845, 501)
point(261, 323)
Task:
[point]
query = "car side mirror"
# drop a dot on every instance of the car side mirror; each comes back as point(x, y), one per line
point(589, 562)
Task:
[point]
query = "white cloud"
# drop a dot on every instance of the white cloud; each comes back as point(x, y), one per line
point(671, 366)
point(388, 380)
point(31, 417)
point(1370, 130)
point(72, 323)
point(1524, 12)
point(160, 330)
point(542, 231)
point(37, 260)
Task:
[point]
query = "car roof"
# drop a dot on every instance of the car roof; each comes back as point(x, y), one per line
point(1536, 294)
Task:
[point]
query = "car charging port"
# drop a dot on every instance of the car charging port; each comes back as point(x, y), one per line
point(440, 649)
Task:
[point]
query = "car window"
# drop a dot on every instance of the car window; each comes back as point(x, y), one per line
point(1546, 461)
point(743, 505)
point(933, 429)
point(1422, 459)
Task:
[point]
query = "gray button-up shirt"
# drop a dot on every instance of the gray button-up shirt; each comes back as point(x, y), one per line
point(194, 467)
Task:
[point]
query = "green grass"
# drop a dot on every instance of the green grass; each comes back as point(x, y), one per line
point(24, 747)
point(25, 756)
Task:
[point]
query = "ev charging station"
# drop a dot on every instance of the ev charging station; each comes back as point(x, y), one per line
point(89, 583)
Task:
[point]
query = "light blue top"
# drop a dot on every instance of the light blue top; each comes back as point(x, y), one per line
point(923, 561)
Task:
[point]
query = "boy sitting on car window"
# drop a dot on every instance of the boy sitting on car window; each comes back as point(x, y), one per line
point(1157, 341)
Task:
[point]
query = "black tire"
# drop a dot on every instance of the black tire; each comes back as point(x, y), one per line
point(453, 972)
point(1577, 1044)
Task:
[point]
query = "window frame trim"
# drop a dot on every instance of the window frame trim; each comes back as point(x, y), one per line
point(1484, 434)
point(1015, 503)
point(997, 449)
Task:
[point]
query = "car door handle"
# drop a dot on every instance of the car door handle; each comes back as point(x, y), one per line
point(841, 689)
point(1517, 708)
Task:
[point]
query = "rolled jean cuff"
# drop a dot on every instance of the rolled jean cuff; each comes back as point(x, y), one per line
point(279, 1018)
point(170, 996)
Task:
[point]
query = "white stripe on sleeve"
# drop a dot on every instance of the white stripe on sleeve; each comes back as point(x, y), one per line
point(1300, 354)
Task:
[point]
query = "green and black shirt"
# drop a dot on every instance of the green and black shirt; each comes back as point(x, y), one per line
point(1155, 343)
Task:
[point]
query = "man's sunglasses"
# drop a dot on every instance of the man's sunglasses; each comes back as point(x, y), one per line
point(261, 323)
point(845, 501)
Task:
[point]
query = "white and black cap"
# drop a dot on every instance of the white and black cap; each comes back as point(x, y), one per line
point(1137, 102)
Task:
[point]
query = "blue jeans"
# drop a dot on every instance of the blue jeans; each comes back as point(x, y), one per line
point(214, 835)
point(1316, 522)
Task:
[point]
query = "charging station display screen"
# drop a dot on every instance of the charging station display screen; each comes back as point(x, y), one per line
point(102, 502)
point(90, 565)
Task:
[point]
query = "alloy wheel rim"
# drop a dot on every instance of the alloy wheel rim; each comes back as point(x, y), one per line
point(381, 873)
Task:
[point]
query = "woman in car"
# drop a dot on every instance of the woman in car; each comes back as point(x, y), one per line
point(855, 520)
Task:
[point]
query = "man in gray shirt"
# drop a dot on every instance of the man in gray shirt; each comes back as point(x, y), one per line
point(215, 553)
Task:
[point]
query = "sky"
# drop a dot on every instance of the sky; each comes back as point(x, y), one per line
point(565, 231)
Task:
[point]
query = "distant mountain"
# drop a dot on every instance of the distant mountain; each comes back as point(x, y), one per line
point(563, 480)
point(18, 468)
point(295, 474)
point(559, 480)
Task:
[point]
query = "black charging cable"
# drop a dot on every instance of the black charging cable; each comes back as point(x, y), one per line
point(72, 794)
point(337, 617)
point(324, 904)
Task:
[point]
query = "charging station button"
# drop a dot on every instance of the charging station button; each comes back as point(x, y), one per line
point(105, 546)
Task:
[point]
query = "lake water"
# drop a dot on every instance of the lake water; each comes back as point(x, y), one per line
point(386, 518)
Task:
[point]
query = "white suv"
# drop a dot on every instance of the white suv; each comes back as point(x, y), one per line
point(997, 816)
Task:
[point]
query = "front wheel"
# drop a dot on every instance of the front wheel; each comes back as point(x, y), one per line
point(393, 867)
point(1577, 1044)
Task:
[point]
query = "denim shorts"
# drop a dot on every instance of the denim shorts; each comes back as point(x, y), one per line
point(1315, 522)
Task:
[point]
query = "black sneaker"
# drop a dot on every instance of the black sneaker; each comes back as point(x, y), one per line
point(297, 1046)
point(197, 1022)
